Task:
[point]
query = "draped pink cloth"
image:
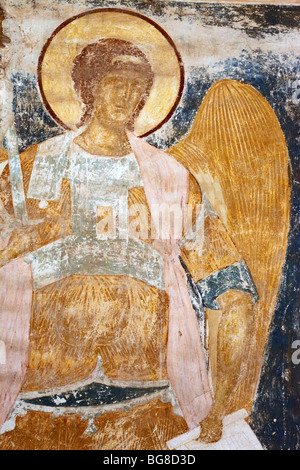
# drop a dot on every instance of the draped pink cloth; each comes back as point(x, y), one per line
point(166, 181)
point(15, 313)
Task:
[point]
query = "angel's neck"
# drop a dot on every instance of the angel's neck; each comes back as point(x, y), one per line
point(98, 139)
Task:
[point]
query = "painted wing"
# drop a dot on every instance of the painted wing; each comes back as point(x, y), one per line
point(237, 151)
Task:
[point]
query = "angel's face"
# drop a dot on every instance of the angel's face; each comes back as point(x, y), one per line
point(119, 95)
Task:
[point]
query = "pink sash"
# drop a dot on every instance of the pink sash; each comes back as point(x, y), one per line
point(15, 313)
point(167, 181)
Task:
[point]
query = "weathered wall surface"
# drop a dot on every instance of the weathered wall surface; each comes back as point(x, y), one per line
point(256, 44)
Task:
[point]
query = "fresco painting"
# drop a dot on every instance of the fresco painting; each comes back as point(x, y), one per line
point(148, 208)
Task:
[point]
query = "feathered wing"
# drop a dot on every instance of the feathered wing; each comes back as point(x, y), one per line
point(237, 151)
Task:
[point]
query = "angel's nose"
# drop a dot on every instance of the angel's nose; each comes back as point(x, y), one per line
point(126, 90)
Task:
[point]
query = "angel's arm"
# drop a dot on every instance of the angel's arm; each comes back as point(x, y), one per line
point(45, 225)
point(213, 262)
point(219, 279)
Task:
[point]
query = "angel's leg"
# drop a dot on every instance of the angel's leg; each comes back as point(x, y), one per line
point(234, 334)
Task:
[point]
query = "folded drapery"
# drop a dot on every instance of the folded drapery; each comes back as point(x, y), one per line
point(166, 181)
point(15, 313)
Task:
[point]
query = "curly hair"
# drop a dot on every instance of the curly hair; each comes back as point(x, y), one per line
point(100, 58)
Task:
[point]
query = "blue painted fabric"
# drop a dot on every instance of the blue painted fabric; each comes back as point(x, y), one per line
point(234, 277)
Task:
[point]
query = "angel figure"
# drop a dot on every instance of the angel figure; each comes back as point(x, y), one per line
point(101, 305)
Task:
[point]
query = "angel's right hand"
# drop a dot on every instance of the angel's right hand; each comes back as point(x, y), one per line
point(17, 240)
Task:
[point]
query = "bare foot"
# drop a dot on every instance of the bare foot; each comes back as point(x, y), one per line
point(211, 429)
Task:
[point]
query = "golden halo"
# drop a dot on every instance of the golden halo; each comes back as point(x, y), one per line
point(68, 40)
